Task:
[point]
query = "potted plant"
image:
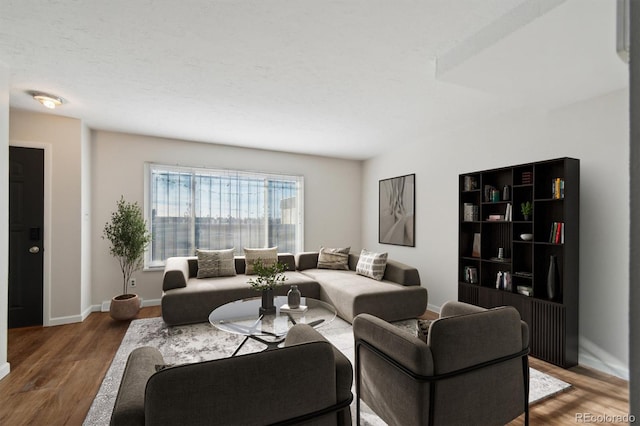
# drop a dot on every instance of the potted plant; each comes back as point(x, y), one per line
point(526, 209)
point(268, 277)
point(128, 237)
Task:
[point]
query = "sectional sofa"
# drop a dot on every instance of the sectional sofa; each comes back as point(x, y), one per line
point(399, 295)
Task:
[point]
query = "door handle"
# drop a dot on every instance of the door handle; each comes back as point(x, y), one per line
point(34, 249)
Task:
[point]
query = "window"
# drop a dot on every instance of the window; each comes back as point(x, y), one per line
point(189, 208)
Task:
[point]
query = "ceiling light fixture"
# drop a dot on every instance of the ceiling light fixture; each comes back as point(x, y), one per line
point(46, 99)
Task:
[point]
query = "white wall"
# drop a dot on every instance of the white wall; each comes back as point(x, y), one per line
point(596, 131)
point(332, 194)
point(62, 137)
point(4, 216)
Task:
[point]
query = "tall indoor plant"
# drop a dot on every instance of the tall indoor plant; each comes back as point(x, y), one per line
point(128, 237)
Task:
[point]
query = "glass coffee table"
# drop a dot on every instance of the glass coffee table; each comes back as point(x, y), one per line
point(242, 317)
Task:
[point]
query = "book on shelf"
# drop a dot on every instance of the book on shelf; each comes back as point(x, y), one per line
point(470, 183)
point(471, 274)
point(495, 217)
point(556, 236)
point(503, 281)
point(470, 212)
point(557, 188)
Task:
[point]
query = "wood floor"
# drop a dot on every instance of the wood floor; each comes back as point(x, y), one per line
point(56, 372)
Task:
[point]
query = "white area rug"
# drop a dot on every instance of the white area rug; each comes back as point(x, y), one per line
point(201, 342)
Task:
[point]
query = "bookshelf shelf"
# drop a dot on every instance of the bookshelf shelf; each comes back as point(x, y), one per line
point(553, 189)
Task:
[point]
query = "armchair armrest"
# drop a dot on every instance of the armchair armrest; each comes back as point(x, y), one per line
point(454, 308)
point(176, 273)
point(129, 405)
point(303, 333)
point(406, 349)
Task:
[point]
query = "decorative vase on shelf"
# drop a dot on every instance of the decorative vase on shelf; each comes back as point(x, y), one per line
point(553, 278)
point(293, 297)
point(267, 302)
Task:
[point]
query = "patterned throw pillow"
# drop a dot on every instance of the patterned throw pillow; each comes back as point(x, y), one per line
point(333, 258)
point(269, 256)
point(215, 263)
point(372, 264)
point(422, 329)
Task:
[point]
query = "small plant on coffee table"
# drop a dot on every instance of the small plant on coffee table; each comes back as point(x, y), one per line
point(267, 279)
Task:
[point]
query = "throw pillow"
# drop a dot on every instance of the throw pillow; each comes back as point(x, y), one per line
point(215, 263)
point(422, 329)
point(372, 264)
point(269, 256)
point(333, 258)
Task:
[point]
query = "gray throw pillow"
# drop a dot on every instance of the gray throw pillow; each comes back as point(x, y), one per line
point(372, 264)
point(268, 256)
point(215, 263)
point(334, 258)
point(422, 329)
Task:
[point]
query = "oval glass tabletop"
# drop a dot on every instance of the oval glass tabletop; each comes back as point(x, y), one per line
point(243, 316)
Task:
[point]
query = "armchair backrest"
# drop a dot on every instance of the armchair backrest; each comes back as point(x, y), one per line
point(472, 370)
point(490, 393)
point(259, 388)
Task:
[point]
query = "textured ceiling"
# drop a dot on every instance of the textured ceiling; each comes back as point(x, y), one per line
point(337, 78)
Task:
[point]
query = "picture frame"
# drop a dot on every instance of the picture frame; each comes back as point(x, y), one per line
point(396, 210)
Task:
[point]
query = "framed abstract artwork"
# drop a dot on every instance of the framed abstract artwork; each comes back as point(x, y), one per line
point(396, 223)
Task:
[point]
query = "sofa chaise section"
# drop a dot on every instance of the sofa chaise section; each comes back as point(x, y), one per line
point(397, 297)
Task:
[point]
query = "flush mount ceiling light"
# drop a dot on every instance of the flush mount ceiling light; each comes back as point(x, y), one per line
point(46, 99)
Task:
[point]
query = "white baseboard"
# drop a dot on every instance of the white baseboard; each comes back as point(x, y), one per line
point(4, 370)
point(589, 355)
point(587, 360)
point(64, 320)
point(151, 302)
point(433, 308)
point(87, 312)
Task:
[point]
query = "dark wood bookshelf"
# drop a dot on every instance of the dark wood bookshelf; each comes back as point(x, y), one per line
point(553, 189)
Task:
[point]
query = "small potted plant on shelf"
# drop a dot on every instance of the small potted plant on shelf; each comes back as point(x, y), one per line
point(526, 209)
point(128, 237)
point(268, 277)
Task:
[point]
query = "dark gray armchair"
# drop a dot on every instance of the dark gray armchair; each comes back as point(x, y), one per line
point(308, 381)
point(473, 369)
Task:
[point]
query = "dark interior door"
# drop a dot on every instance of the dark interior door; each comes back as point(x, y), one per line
point(26, 217)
